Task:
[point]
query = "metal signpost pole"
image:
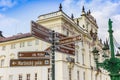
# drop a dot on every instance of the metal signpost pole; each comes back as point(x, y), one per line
point(53, 55)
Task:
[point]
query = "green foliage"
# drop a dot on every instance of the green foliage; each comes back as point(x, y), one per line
point(111, 65)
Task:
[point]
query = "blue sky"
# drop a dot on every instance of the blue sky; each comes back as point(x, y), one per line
point(15, 15)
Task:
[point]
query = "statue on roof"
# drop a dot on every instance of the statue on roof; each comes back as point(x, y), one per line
point(60, 7)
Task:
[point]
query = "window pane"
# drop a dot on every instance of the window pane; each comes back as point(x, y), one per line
point(2, 62)
point(35, 76)
point(3, 47)
point(28, 76)
point(10, 77)
point(29, 43)
point(20, 77)
point(36, 42)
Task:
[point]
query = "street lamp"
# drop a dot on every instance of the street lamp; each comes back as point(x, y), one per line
point(112, 64)
point(105, 49)
point(95, 54)
point(70, 65)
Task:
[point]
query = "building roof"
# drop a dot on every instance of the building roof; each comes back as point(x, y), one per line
point(14, 37)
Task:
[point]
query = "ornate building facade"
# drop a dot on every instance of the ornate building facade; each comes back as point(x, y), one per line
point(82, 66)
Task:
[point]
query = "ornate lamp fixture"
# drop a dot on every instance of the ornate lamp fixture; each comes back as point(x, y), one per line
point(95, 54)
point(112, 64)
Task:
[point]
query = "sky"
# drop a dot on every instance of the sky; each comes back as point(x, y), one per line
point(16, 15)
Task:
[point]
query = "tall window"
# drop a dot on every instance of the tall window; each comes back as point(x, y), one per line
point(95, 77)
point(83, 75)
point(0, 77)
point(92, 75)
point(76, 55)
point(35, 76)
point(29, 43)
point(20, 77)
point(67, 32)
point(36, 42)
point(100, 77)
point(82, 43)
point(10, 77)
point(90, 59)
point(78, 77)
point(83, 58)
point(3, 47)
point(22, 44)
point(2, 62)
point(28, 77)
point(12, 46)
point(89, 45)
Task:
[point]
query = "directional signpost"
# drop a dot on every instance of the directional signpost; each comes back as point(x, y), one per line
point(40, 32)
point(66, 44)
point(68, 40)
point(33, 55)
point(66, 50)
point(29, 62)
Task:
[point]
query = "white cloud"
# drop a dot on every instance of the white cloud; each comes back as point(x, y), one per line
point(116, 26)
point(8, 25)
point(4, 4)
point(102, 10)
point(7, 21)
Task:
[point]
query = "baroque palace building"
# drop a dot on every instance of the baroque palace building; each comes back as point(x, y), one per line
point(25, 57)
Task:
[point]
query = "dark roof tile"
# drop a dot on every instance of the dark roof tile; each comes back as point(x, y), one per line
point(15, 37)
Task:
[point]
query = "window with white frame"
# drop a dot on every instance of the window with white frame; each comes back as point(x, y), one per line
point(83, 75)
point(67, 32)
point(28, 77)
point(35, 76)
point(36, 42)
point(10, 77)
point(20, 77)
point(83, 59)
point(1, 78)
point(82, 43)
point(78, 75)
point(90, 59)
point(2, 62)
point(92, 75)
point(29, 43)
point(3, 47)
point(12, 46)
point(76, 55)
point(22, 44)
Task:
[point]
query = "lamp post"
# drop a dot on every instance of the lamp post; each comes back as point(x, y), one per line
point(70, 65)
point(112, 65)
